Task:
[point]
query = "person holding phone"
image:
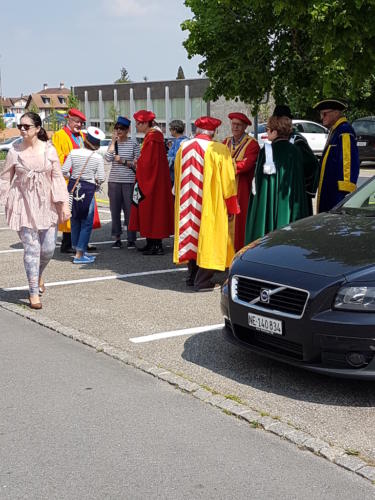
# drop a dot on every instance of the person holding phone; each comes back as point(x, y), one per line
point(123, 153)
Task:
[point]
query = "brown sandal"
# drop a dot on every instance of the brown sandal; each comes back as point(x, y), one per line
point(36, 305)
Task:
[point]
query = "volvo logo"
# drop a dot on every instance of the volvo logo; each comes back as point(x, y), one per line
point(265, 295)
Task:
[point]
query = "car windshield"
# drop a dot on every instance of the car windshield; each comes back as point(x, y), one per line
point(362, 202)
point(8, 141)
point(364, 127)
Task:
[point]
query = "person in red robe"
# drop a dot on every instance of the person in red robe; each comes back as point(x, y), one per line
point(152, 207)
point(244, 150)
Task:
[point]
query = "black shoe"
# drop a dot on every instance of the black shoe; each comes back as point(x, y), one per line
point(154, 250)
point(131, 245)
point(145, 248)
point(189, 282)
point(66, 250)
point(91, 248)
point(117, 244)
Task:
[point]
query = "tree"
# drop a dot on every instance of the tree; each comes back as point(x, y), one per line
point(124, 76)
point(180, 74)
point(72, 101)
point(113, 114)
point(300, 51)
point(2, 122)
point(33, 108)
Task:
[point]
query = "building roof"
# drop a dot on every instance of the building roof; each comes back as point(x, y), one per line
point(56, 90)
point(47, 100)
point(6, 102)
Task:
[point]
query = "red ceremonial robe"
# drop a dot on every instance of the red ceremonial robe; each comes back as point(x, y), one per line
point(152, 208)
point(244, 156)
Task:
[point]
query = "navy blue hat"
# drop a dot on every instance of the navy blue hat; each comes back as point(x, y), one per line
point(121, 120)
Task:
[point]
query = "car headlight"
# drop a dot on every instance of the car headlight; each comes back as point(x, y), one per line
point(356, 298)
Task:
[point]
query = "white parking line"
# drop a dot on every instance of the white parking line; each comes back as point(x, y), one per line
point(176, 333)
point(100, 278)
point(96, 243)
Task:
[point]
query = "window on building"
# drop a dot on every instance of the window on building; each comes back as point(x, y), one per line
point(46, 100)
point(198, 108)
point(124, 108)
point(94, 109)
point(140, 104)
point(61, 99)
point(178, 108)
point(159, 108)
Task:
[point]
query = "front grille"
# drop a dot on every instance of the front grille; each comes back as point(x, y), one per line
point(277, 345)
point(282, 299)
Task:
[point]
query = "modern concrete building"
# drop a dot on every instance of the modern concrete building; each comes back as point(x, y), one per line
point(169, 100)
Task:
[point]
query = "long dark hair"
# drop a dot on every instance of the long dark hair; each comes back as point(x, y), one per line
point(35, 118)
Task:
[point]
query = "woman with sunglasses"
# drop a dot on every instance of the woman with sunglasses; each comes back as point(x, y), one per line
point(34, 193)
point(123, 153)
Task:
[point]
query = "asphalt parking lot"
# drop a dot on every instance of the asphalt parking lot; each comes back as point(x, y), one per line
point(141, 305)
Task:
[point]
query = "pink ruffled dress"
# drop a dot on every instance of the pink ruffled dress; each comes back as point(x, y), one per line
point(30, 185)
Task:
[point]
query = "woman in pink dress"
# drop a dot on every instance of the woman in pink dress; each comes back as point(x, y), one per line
point(34, 193)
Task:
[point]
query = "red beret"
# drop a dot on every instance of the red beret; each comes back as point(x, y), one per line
point(144, 116)
point(77, 113)
point(240, 116)
point(207, 123)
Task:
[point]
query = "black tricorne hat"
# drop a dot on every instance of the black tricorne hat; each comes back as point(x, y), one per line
point(282, 110)
point(338, 104)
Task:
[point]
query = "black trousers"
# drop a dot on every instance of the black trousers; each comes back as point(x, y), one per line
point(198, 276)
point(66, 241)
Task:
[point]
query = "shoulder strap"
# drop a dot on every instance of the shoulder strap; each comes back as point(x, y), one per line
point(81, 172)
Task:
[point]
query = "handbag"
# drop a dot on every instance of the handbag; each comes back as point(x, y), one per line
point(76, 182)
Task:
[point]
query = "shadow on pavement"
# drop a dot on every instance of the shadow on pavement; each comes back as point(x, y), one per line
point(210, 350)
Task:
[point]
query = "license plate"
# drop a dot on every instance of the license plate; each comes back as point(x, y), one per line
point(264, 324)
point(361, 143)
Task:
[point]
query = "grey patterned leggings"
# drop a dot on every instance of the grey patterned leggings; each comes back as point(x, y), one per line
point(38, 251)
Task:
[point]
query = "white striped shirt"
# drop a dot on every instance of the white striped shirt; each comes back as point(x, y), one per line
point(128, 150)
point(94, 170)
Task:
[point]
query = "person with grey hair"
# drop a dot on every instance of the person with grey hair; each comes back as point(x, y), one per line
point(176, 128)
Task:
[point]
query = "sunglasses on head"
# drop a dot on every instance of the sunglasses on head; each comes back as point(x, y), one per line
point(24, 126)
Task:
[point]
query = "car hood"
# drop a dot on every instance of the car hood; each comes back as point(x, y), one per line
point(328, 244)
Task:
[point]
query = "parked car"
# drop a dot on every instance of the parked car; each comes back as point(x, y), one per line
point(315, 134)
point(104, 144)
point(365, 131)
point(6, 145)
point(305, 294)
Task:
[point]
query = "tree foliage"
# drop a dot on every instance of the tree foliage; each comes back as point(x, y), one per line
point(34, 108)
point(301, 51)
point(72, 101)
point(180, 74)
point(124, 76)
point(2, 122)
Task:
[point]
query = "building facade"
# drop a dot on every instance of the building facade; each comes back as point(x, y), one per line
point(169, 100)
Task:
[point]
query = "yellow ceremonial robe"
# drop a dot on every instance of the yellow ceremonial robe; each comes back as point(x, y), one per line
point(63, 145)
point(215, 246)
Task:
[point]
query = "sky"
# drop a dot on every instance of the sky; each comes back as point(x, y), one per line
point(87, 42)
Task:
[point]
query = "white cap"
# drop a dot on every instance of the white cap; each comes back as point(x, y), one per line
point(95, 135)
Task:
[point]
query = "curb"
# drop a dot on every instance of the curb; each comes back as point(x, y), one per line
point(286, 431)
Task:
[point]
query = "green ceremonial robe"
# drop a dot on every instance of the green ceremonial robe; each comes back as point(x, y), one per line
point(281, 197)
point(310, 168)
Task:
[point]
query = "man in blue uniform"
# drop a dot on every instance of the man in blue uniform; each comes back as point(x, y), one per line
point(339, 168)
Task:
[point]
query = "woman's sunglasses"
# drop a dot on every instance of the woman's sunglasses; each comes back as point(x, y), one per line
point(23, 126)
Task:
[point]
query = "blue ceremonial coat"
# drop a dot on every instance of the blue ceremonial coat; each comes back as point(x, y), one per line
point(339, 168)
